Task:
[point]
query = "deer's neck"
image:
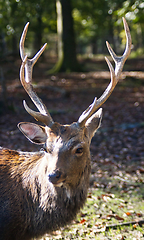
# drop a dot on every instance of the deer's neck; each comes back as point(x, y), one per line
point(55, 206)
point(47, 207)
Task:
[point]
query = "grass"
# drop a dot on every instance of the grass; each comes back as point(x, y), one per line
point(105, 213)
point(115, 205)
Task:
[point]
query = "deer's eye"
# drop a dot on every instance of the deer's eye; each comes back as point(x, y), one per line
point(79, 151)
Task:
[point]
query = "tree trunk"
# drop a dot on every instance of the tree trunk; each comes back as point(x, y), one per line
point(38, 29)
point(38, 36)
point(15, 51)
point(67, 60)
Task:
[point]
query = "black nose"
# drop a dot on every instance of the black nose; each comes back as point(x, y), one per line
point(55, 177)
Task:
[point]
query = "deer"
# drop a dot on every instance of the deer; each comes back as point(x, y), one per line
point(43, 191)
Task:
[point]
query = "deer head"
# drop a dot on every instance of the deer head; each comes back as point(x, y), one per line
point(66, 146)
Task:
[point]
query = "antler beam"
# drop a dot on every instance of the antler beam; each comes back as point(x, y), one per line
point(26, 80)
point(115, 74)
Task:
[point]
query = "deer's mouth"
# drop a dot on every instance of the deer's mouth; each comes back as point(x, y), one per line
point(57, 178)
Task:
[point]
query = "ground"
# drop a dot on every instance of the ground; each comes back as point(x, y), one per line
point(115, 205)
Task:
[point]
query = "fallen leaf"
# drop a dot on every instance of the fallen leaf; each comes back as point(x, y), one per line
point(114, 216)
point(135, 225)
point(123, 237)
point(82, 221)
point(121, 206)
point(119, 218)
point(139, 214)
point(128, 213)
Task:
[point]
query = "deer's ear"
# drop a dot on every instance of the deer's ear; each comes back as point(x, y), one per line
point(33, 132)
point(93, 123)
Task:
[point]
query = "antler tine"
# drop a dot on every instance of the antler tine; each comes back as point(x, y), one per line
point(119, 61)
point(22, 51)
point(26, 80)
point(115, 74)
point(46, 119)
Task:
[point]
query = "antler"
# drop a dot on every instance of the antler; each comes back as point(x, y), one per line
point(115, 74)
point(26, 80)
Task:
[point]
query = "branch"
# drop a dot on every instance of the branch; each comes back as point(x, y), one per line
point(140, 222)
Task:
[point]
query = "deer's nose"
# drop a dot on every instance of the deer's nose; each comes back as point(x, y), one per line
point(55, 177)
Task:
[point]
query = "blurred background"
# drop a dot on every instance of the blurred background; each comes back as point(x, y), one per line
point(82, 25)
point(67, 77)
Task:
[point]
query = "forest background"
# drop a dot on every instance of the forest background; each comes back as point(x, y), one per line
point(69, 74)
point(70, 27)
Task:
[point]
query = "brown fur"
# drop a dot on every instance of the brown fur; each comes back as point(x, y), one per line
point(43, 191)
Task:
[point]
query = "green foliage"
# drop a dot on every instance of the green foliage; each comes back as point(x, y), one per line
point(90, 19)
point(95, 22)
point(15, 13)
